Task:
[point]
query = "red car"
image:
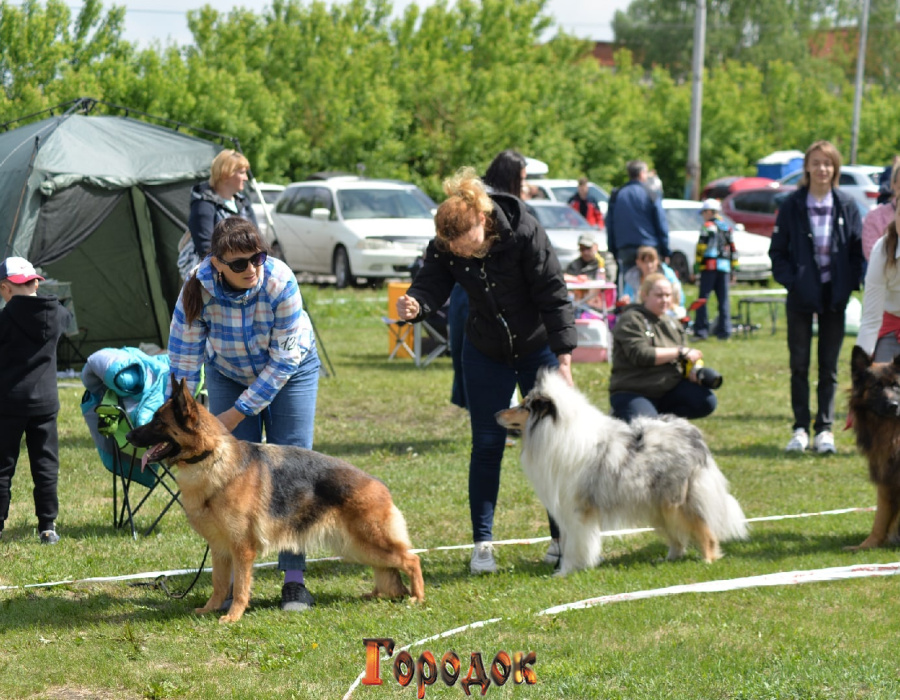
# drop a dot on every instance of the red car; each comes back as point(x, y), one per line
point(724, 186)
point(756, 208)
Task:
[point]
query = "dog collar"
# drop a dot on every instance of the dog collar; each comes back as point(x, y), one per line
point(199, 458)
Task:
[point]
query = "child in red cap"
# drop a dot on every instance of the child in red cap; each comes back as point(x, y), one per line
point(30, 328)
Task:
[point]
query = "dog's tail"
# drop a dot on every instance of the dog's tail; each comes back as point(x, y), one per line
point(709, 496)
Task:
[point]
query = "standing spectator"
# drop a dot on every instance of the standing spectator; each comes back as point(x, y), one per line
point(520, 319)
point(241, 315)
point(219, 198)
point(879, 328)
point(876, 220)
point(586, 204)
point(886, 189)
point(30, 328)
point(634, 218)
point(816, 253)
point(716, 260)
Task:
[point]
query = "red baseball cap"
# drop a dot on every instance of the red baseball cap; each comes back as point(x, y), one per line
point(18, 271)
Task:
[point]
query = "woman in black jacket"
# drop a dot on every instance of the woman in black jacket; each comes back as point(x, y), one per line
point(520, 319)
point(816, 253)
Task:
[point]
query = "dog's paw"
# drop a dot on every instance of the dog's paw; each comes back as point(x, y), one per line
point(226, 619)
point(202, 611)
point(417, 601)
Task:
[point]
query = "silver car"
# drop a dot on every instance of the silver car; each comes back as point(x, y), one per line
point(564, 227)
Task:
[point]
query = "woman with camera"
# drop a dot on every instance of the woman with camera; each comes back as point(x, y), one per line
point(653, 370)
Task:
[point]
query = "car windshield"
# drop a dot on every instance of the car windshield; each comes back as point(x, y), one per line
point(271, 196)
point(687, 219)
point(382, 204)
point(560, 217)
point(564, 192)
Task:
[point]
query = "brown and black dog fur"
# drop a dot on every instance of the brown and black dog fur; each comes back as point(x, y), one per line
point(875, 407)
point(245, 498)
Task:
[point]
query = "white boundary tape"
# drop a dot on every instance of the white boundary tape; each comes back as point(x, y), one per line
point(532, 540)
point(784, 578)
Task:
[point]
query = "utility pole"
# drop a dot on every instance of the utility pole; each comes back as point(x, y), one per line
point(860, 78)
point(692, 183)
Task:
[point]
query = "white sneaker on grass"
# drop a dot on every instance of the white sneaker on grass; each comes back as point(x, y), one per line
point(824, 443)
point(799, 442)
point(483, 559)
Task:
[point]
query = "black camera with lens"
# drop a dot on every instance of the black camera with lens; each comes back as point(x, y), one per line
point(705, 375)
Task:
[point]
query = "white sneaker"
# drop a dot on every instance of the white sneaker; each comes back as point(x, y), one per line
point(799, 442)
point(824, 443)
point(552, 555)
point(483, 559)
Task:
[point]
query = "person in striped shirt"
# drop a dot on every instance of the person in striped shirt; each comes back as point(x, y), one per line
point(241, 315)
point(816, 253)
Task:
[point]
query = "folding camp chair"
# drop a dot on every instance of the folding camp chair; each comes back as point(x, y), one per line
point(109, 424)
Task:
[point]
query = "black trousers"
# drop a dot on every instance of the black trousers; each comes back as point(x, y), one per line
point(42, 443)
point(828, 351)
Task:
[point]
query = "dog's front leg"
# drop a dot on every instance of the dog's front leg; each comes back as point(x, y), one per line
point(221, 577)
point(242, 561)
point(885, 513)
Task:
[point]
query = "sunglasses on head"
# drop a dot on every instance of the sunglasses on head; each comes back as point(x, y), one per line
point(241, 264)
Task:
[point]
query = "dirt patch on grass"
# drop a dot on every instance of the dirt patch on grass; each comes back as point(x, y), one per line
point(74, 693)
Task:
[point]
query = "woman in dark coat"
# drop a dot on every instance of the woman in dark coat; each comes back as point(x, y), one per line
point(520, 319)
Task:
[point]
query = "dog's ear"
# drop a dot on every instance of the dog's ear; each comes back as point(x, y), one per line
point(860, 362)
point(185, 406)
point(542, 407)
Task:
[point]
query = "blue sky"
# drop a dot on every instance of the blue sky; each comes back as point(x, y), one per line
point(147, 20)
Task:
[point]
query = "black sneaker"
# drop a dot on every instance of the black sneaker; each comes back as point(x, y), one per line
point(49, 537)
point(295, 597)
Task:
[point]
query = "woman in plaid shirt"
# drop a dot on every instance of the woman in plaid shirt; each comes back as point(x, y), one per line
point(241, 315)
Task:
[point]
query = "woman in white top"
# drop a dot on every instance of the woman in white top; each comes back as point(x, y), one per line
point(880, 323)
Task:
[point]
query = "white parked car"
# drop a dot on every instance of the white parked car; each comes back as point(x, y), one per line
point(270, 193)
point(562, 190)
point(353, 227)
point(684, 220)
point(564, 226)
point(859, 181)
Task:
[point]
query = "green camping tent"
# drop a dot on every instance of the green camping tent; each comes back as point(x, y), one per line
point(101, 202)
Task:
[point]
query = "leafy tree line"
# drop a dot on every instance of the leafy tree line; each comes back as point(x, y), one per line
point(309, 87)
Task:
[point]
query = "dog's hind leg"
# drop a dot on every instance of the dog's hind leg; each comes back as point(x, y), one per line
point(387, 584)
point(681, 526)
point(221, 577)
point(885, 514)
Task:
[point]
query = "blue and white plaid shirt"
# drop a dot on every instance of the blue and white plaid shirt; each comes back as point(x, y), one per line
point(257, 338)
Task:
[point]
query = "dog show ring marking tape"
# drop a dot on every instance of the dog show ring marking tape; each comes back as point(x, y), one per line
point(782, 578)
point(532, 540)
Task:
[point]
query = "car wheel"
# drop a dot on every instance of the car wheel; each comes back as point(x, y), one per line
point(341, 266)
point(679, 263)
point(277, 252)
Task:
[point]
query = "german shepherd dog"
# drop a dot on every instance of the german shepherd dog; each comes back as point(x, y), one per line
point(593, 472)
point(245, 498)
point(875, 407)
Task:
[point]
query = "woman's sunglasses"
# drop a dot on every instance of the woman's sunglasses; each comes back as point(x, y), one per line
point(241, 264)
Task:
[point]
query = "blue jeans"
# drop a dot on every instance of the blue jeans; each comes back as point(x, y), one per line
point(718, 282)
point(831, 337)
point(489, 384)
point(688, 400)
point(288, 420)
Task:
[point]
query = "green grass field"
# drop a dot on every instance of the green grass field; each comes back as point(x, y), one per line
point(116, 639)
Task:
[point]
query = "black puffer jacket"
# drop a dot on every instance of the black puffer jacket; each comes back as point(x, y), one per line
point(793, 255)
point(518, 301)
